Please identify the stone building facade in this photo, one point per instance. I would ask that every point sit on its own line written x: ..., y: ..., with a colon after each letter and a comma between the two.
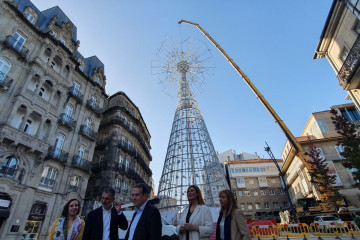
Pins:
x: 256, y: 183
x: 122, y: 154
x: 51, y: 99
x: 320, y: 129
x: 340, y: 44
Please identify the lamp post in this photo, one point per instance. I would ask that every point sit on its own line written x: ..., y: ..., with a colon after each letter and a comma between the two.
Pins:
x: 292, y: 209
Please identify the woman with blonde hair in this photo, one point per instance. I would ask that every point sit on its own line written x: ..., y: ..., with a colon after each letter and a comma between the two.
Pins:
x: 195, y: 222
x: 70, y: 226
x: 231, y: 224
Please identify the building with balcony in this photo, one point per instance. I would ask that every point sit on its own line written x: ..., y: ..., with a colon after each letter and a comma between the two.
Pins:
x: 340, y: 44
x: 48, y: 132
x: 256, y: 184
x: 320, y: 129
x: 122, y: 154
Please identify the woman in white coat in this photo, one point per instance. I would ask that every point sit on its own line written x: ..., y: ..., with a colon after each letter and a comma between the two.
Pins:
x: 195, y: 222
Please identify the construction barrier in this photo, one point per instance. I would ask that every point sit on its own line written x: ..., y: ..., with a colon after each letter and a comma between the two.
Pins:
x: 294, y: 230
x: 327, y: 229
x: 265, y: 231
x: 351, y: 228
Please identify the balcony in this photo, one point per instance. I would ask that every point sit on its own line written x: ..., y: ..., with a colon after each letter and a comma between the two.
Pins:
x: 75, y: 93
x: 351, y: 64
x: 57, y: 154
x: 90, y: 104
x: 88, y: 132
x: 79, y: 162
x: 17, y: 46
x: 18, y: 137
x: 127, y: 148
x: 5, y: 81
x: 67, y: 121
x: 73, y: 188
x: 47, y: 183
x: 8, y: 172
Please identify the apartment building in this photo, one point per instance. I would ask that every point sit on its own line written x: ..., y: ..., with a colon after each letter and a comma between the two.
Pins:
x: 51, y: 104
x: 320, y: 129
x: 122, y: 154
x: 340, y: 44
x: 256, y: 183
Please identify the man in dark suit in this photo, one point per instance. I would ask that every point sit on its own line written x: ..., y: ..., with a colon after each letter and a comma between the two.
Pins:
x: 103, y: 222
x: 146, y: 222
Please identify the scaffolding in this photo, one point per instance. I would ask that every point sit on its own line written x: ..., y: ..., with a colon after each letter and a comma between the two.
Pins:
x: 190, y: 157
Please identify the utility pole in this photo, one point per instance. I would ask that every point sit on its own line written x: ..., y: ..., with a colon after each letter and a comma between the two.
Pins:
x: 293, y: 212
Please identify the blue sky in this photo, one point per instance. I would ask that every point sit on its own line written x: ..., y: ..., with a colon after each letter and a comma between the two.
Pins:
x: 272, y: 42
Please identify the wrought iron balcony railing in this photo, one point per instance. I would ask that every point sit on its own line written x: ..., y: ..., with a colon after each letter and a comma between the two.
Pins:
x: 8, y: 172
x: 73, y: 188
x: 75, y: 93
x: 67, y: 121
x: 17, y: 46
x: 57, y: 154
x: 5, y: 81
x: 351, y: 64
x: 88, y: 132
x: 47, y: 183
x: 90, y: 104
x: 78, y: 161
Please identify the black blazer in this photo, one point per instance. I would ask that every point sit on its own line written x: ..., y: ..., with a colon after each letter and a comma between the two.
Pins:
x: 149, y: 225
x: 94, y: 224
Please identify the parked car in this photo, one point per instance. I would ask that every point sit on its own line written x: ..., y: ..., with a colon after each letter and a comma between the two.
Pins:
x: 327, y: 220
x: 167, y: 228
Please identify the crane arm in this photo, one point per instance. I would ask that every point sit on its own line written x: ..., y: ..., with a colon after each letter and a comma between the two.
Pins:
x: 290, y: 137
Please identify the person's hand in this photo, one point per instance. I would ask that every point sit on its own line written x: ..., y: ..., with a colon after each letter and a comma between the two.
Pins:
x: 117, y: 206
x: 182, y: 229
x: 191, y: 227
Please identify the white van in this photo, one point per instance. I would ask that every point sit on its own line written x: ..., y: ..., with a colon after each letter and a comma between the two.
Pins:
x: 167, y: 229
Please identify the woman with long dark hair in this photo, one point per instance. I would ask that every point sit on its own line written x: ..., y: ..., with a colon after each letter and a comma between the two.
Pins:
x: 70, y: 226
x: 231, y: 224
x: 195, y: 222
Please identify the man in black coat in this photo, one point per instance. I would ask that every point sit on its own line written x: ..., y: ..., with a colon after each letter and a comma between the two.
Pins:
x: 103, y: 222
x: 146, y: 222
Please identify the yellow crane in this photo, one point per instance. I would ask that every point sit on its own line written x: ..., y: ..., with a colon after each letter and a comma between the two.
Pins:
x: 298, y: 148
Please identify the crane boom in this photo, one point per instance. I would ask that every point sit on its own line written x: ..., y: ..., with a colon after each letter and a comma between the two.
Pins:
x: 298, y: 148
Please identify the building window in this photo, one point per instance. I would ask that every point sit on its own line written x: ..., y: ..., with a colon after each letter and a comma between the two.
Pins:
x: 300, y: 174
x: 273, y: 180
x: 125, y: 186
x: 240, y: 182
x: 351, y: 114
x: 117, y: 185
x: 80, y: 154
x: 9, y: 167
x: 27, y: 126
x: 53, y: 33
x: 262, y: 181
x: 321, y: 126
x: 62, y: 40
x: 48, y: 178
x: 344, y: 53
x: 101, y: 157
x: 250, y: 206
x: 17, y: 41
x: 282, y: 192
x: 4, y: 68
x: 126, y: 164
x: 41, y: 91
x: 74, y: 183
x: 262, y: 192
x: 258, y: 206
x: 340, y: 149
x: 266, y: 205
x: 256, y: 193
x: 58, y: 144
x: 121, y: 159
x: 271, y: 192
x: 29, y: 17
x: 242, y: 206
x: 321, y: 154
x: 276, y: 205
x: 247, y: 193
x: 286, y: 204
x: 240, y: 193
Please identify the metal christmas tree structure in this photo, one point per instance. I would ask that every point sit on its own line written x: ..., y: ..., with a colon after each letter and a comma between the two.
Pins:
x: 191, y: 157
